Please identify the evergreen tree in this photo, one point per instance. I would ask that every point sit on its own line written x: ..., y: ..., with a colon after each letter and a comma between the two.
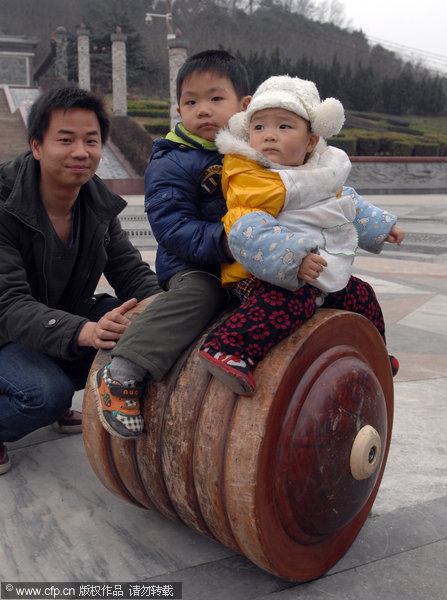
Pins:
x: 363, y: 93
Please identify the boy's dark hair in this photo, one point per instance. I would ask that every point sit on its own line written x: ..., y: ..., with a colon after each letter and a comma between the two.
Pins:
x: 65, y: 98
x: 215, y: 61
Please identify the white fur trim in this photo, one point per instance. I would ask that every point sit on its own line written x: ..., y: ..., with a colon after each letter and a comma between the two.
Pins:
x: 239, y: 125
x: 228, y: 143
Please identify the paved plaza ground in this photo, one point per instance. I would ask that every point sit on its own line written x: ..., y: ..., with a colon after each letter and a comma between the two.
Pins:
x: 58, y: 523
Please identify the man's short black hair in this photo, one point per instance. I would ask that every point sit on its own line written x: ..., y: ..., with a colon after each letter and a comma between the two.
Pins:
x: 215, y: 61
x: 65, y: 98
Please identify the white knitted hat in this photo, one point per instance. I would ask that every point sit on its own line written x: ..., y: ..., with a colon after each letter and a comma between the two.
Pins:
x: 297, y: 95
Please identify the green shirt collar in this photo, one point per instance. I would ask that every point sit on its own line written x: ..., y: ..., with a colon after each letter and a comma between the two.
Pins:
x: 181, y: 135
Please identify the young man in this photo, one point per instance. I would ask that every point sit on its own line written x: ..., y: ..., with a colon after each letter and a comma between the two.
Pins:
x: 59, y: 231
x: 185, y: 206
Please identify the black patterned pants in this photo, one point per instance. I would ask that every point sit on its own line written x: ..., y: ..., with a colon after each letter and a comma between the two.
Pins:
x: 268, y: 314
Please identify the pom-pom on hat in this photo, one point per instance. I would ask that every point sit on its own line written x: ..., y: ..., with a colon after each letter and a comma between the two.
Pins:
x: 300, y: 97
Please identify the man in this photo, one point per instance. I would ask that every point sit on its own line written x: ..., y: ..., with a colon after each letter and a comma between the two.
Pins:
x: 59, y: 231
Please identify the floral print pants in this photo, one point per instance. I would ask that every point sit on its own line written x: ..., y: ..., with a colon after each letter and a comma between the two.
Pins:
x: 268, y: 314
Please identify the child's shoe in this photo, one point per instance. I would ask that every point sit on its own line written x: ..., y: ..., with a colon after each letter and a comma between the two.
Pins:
x: 234, y: 371
x: 118, y: 405
x: 394, y: 364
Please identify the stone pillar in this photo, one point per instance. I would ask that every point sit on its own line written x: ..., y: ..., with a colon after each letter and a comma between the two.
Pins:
x: 119, y: 75
x: 177, y: 54
x: 61, y: 65
x: 84, y: 58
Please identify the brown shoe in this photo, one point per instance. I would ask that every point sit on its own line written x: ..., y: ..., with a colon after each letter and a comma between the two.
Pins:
x: 71, y: 422
x: 5, y: 462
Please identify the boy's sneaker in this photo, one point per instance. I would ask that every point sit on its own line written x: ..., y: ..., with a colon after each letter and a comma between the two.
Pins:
x: 5, y: 462
x: 234, y: 371
x: 394, y: 364
x: 71, y: 422
x: 118, y: 405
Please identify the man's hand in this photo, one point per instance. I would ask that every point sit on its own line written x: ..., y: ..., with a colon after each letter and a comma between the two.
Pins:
x: 396, y: 235
x: 311, y: 267
x: 110, y: 327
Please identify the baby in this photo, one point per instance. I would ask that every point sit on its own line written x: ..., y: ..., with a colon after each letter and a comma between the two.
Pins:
x: 292, y: 227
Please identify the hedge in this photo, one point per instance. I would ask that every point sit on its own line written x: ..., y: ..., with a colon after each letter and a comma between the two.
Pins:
x: 402, y: 148
x: 155, y: 113
x: 346, y: 144
x: 133, y: 142
x: 367, y: 146
x: 162, y: 127
x: 383, y: 144
x: 425, y: 149
x: 150, y: 104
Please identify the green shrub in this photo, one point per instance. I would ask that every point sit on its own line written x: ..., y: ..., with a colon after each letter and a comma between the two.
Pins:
x: 346, y: 144
x: 155, y: 113
x: 400, y: 129
x: 133, y: 142
x: 402, y: 148
x: 363, y: 115
x: 399, y: 122
x: 367, y: 146
x: 148, y: 104
x: 386, y: 146
x: 162, y: 127
x: 426, y: 149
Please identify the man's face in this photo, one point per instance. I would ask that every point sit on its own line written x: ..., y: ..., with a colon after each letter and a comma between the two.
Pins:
x: 207, y: 101
x: 70, y: 151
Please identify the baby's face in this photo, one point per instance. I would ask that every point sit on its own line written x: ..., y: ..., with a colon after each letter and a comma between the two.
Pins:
x: 282, y: 136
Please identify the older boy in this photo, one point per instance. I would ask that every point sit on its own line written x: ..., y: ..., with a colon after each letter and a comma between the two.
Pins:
x: 185, y: 206
x: 59, y: 231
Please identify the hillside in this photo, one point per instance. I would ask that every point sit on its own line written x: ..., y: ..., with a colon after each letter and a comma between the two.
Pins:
x: 270, y: 27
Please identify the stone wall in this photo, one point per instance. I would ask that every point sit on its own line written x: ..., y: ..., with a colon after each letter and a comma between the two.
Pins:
x: 398, y: 175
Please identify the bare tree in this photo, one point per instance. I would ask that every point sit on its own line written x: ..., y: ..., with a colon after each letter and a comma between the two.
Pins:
x: 332, y: 11
x: 307, y: 8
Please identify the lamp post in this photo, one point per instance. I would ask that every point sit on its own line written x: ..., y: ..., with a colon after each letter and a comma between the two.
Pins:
x: 177, y: 53
x: 168, y: 16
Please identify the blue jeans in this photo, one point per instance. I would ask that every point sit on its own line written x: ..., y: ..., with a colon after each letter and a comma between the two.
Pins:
x: 36, y: 389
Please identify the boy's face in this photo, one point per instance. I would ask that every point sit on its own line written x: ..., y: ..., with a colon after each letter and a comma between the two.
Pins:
x: 70, y: 150
x: 207, y: 101
x: 282, y: 136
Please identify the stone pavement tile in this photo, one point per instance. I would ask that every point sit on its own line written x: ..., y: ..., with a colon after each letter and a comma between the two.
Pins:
x: 395, y: 309
x: 430, y: 316
x: 59, y: 523
x: 416, y: 470
x: 232, y: 578
x: 400, y: 538
x: 387, y: 286
x: 418, y: 574
x: 398, y: 268
x: 414, y: 366
x: 110, y: 167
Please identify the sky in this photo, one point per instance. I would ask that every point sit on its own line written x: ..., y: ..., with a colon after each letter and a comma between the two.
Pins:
x: 421, y: 25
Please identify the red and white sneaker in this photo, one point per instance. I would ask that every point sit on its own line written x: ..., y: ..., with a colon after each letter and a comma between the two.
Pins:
x: 234, y: 371
x: 394, y: 364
